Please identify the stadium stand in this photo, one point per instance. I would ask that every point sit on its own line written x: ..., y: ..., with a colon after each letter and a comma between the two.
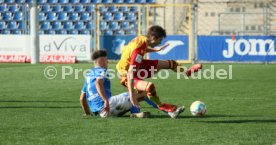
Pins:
x: 76, y: 17
x: 70, y: 16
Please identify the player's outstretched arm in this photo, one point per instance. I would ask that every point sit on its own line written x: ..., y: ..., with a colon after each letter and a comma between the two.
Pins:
x: 100, y: 89
x: 84, y: 104
x: 149, y: 49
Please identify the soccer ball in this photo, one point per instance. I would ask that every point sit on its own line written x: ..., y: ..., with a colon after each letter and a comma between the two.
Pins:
x: 198, y: 108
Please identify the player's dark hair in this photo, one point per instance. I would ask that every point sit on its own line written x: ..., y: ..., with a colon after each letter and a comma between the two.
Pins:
x: 157, y: 31
x: 98, y: 53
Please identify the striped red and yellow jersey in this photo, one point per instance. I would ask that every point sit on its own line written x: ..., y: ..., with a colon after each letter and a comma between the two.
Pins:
x: 132, y: 54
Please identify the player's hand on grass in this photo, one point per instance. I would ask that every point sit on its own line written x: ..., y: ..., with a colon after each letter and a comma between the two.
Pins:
x: 106, y: 106
x: 105, y: 111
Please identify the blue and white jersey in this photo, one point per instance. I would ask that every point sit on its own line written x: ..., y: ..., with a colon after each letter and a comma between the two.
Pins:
x: 93, y: 98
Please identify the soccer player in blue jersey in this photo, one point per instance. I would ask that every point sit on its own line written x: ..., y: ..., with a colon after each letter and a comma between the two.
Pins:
x: 96, y: 96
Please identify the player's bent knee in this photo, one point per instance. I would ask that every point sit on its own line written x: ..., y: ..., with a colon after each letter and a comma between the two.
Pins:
x: 150, y: 89
x: 152, y: 95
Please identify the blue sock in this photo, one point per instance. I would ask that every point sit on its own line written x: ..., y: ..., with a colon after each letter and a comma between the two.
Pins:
x: 151, y: 103
x: 134, y: 109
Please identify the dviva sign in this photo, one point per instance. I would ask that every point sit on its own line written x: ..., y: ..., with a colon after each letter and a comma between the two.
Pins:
x: 73, y: 45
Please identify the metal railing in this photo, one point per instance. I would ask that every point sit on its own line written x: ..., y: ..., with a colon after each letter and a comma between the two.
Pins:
x: 242, y: 17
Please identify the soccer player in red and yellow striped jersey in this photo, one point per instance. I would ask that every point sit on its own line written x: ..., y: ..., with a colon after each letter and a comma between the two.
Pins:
x: 132, y: 61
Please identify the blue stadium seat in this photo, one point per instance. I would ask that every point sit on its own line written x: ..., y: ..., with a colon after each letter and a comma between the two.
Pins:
x: 85, y: 32
x: 112, y: 9
x: 118, y: 16
x: 130, y: 32
x: 21, y: 25
x: 84, y: 1
x: 45, y: 8
x: 29, y: 1
x: 118, y: 1
x: 74, y: 32
x: 3, y: 25
x: 89, y: 8
x: 67, y: 8
x: 41, y: 1
x: 79, y: 25
x: 6, y: 32
x: 51, y: 16
x: 62, y: 32
x: 41, y: 16
x: 7, y: 16
x: 103, y: 25
x: 119, y: 32
x: 2, y: 1
x: 130, y: 16
x: 89, y: 26
x: 45, y: 26
x: 62, y: 16
x: 56, y: 25
x: 103, y: 9
x: 41, y: 32
x: 123, y: 9
x: 63, y: 1
x: 17, y: 32
x: 140, y: 1
x: 125, y: 26
x: 108, y: 32
x: 107, y: 1
x: 133, y: 9
x: 13, y: 8
x: 78, y: 8
x: 3, y: 8
x: 96, y: 1
x: 20, y: 1
x: 12, y: 25
x: 151, y: 1
x: 85, y: 16
x: 129, y: 1
x: 114, y: 26
x: 57, y: 8
x: 18, y: 16
x: 9, y: 1
x: 74, y: 1
x: 68, y: 25
x: 136, y: 24
x: 73, y: 16
x: 107, y: 16
x: 52, y: 1
x: 50, y: 32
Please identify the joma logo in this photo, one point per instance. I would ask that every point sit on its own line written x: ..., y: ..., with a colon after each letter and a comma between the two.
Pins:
x: 252, y: 47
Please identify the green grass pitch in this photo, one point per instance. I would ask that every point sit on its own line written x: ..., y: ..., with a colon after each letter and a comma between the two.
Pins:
x: 241, y: 111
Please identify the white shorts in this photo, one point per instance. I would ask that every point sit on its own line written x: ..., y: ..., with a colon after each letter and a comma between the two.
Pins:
x: 119, y: 104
